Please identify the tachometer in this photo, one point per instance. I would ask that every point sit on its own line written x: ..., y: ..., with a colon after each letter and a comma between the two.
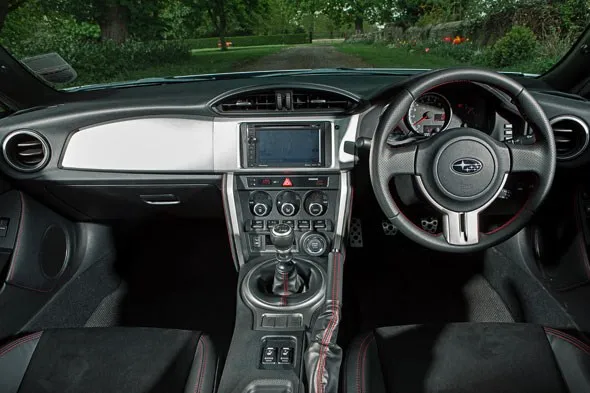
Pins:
x: 429, y: 114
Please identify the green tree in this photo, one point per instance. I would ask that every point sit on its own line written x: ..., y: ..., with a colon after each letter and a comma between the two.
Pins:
x: 115, y: 17
x: 356, y: 12
x: 223, y: 13
x: 7, y: 6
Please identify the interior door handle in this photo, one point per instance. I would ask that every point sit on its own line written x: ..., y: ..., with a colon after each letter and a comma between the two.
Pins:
x: 160, y: 199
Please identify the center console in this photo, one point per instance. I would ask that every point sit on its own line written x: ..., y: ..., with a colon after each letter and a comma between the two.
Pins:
x: 287, y: 209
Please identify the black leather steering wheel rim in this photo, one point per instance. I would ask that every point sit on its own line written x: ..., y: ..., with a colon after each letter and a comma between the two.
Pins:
x: 386, y: 161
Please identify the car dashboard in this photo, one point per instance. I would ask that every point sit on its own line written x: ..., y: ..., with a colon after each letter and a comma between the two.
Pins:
x: 117, y: 153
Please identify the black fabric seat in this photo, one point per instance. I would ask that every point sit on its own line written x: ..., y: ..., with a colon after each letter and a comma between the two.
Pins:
x: 467, y: 357
x: 126, y: 360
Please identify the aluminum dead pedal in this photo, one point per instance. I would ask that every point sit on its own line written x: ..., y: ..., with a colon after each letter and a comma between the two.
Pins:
x: 356, y: 233
x: 388, y: 228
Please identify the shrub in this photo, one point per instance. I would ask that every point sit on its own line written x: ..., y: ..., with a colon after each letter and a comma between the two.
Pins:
x: 518, y: 45
x: 255, y: 40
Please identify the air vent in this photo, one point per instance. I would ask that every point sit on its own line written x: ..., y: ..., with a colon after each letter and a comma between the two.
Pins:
x: 311, y: 100
x: 263, y: 101
x: 25, y: 151
x: 571, y: 136
x: 285, y: 100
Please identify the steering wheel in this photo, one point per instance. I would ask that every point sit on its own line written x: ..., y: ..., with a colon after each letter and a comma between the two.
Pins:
x: 461, y: 171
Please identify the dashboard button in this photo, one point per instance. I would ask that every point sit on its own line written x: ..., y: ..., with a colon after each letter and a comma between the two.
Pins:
x: 289, y: 222
x: 257, y: 224
x: 319, y: 224
x: 304, y: 225
x: 269, y: 355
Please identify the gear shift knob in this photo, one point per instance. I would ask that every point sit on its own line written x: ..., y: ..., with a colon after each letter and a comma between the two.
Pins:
x: 282, y: 237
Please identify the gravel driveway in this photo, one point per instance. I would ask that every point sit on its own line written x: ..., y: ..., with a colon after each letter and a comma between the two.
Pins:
x: 302, y: 57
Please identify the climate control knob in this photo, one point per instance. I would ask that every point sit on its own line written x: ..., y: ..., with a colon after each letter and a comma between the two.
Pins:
x: 316, y: 203
x: 260, y: 203
x: 288, y: 203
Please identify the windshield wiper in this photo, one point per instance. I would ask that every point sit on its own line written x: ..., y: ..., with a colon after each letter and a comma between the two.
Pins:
x: 346, y: 70
x: 140, y: 82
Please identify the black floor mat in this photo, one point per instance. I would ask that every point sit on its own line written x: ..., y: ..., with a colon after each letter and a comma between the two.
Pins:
x: 179, y: 274
x: 393, y: 281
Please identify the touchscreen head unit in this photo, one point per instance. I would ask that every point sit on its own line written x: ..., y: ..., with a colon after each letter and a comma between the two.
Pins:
x: 286, y: 145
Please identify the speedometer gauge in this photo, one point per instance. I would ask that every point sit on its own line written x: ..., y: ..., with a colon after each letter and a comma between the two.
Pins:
x: 429, y: 114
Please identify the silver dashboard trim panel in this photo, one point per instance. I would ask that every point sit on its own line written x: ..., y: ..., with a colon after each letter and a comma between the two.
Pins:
x: 147, y: 144
x: 343, y: 211
x: 230, y: 204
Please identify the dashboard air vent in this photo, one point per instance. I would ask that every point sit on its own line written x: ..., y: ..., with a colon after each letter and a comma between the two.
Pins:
x: 285, y: 100
x: 311, y: 100
x: 571, y: 136
x: 262, y: 101
x: 25, y: 151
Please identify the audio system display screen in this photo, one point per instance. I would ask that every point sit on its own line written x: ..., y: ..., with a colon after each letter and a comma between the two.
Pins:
x: 283, y: 147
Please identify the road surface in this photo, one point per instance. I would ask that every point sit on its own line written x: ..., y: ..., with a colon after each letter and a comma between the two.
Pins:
x: 303, y: 57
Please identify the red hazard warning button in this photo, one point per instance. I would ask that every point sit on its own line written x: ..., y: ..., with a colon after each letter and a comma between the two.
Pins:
x: 287, y: 182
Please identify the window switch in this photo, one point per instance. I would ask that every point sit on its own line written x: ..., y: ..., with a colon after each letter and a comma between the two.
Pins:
x: 269, y: 355
x: 286, y: 355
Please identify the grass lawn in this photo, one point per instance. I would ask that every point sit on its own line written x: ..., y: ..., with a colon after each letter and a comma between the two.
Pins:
x: 203, y: 61
x: 382, y: 56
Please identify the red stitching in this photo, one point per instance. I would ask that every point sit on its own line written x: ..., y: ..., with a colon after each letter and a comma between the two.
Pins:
x: 359, y: 368
x: 570, y: 339
x: 518, y: 213
x: 9, y: 347
x: 327, y: 337
x: 364, y: 361
x: 285, y: 289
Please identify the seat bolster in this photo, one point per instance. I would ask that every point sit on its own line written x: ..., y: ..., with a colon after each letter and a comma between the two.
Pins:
x: 363, y: 367
x: 203, y: 374
x: 14, y: 360
x: 573, y: 359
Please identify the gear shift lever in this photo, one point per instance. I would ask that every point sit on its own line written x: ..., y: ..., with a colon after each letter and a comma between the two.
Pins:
x: 286, y: 280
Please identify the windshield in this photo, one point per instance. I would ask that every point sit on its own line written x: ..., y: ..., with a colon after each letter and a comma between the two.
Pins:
x: 128, y: 40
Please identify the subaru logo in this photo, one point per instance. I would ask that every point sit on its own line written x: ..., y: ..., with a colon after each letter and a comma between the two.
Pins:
x: 467, y: 166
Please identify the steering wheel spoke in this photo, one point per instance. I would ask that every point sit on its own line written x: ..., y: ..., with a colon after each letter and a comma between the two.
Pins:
x: 528, y: 158
x: 461, y: 228
x: 398, y: 161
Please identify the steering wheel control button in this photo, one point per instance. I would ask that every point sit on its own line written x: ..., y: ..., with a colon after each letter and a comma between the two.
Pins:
x: 464, y: 169
x: 314, y: 244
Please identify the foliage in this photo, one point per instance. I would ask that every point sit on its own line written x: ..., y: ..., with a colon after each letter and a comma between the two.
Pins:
x: 516, y: 46
x: 287, y: 39
x: 203, y: 61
